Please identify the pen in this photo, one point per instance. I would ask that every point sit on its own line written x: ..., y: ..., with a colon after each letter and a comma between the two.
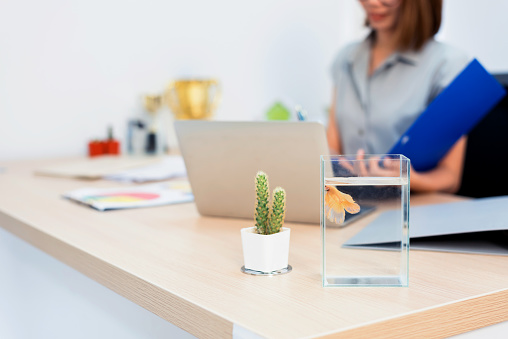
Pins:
x: 301, y: 114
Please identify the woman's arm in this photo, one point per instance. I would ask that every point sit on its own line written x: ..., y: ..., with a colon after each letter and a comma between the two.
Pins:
x: 332, y: 132
x: 447, y: 176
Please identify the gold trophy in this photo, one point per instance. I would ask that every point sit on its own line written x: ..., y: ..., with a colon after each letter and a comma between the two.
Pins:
x: 152, y: 103
x: 193, y: 99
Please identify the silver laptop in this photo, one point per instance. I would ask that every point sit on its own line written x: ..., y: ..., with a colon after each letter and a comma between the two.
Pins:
x: 222, y: 159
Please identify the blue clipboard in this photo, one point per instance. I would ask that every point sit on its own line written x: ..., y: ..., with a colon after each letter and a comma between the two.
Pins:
x: 452, y: 114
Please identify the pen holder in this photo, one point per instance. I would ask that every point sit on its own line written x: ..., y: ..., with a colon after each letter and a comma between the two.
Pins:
x: 365, y: 220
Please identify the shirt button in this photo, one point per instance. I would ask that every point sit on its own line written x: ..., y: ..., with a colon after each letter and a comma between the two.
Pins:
x: 360, y: 131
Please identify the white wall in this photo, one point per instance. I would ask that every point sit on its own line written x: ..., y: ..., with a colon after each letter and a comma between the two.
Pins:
x: 479, y: 28
x: 70, y: 68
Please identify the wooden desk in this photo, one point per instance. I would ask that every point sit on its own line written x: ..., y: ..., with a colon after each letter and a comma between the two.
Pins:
x: 186, y: 269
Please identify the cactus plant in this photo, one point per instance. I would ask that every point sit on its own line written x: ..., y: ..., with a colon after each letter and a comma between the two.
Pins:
x: 266, y: 222
x: 278, y: 210
x: 262, y: 209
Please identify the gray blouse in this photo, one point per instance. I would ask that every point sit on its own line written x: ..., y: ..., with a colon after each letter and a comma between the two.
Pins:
x: 372, y: 112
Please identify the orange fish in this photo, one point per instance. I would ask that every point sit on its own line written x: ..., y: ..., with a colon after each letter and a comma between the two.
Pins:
x: 336, y: 202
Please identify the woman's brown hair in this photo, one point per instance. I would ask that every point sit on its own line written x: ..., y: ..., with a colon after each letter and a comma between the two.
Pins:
x: 419, y: 20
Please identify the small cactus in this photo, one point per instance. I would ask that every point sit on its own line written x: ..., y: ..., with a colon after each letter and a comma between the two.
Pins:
x: 278, y: 210
x: 262, y: 208
x: 266, y: 222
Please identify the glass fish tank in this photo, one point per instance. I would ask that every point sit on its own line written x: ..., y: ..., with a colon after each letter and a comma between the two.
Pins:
x: 365, y: 220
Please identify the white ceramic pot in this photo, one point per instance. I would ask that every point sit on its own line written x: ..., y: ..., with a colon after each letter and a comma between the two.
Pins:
x: 265, y: 253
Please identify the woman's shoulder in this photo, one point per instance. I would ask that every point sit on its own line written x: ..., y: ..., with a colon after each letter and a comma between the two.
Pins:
x: 344, y: 56
x: 442, y: 53
x: 348, y: 51
x: 444, y: 61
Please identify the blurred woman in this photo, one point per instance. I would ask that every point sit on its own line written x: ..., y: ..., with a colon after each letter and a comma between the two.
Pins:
x: 383, y: 83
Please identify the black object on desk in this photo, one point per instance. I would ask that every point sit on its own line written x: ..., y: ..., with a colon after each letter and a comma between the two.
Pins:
x: 486, y: 163
x: 151, y: 143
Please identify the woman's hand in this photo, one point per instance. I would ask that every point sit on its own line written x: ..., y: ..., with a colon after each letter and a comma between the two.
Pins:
x: 372, y: 167
x: 445, y: 177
